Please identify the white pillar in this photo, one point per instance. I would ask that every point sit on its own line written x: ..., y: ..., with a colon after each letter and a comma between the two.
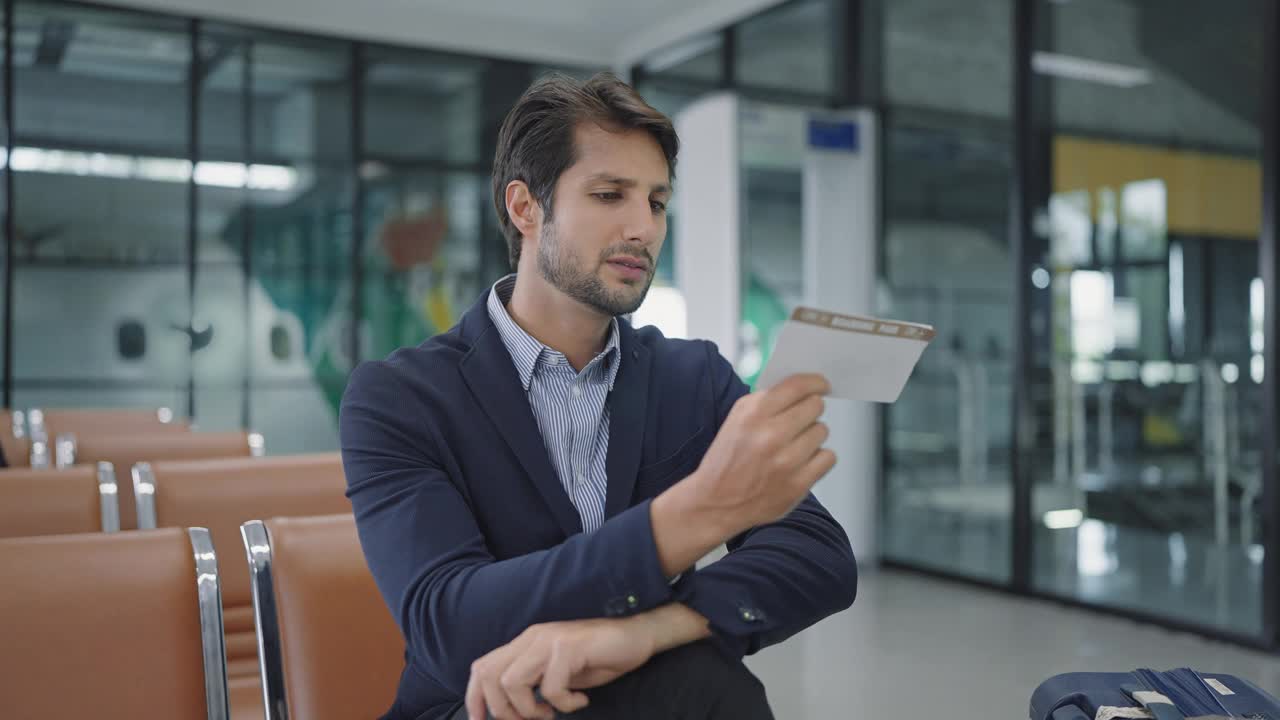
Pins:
x: 707, y: 219
x: 840, y: 208
x: 836, y: 153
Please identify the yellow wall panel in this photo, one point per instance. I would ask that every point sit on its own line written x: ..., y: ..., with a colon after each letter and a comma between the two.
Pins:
x: 1208, y: 194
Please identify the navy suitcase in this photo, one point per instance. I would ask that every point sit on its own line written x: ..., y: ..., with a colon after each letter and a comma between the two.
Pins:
x: 1077, y: 696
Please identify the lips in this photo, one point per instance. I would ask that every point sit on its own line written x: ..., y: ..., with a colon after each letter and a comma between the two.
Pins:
x: 630, y: 262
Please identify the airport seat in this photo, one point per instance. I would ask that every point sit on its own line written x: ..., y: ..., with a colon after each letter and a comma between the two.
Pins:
x: 112, y: 627
x: 13, y: 433
x: 222, y: 494
x: 17, y: 450
x: 77, y: 421
x: 81, y: 499
x: 330, y: 647
x: 126, y: 450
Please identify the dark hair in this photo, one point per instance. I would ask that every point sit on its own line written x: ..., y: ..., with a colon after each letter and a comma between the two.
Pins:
x: 536, y: 142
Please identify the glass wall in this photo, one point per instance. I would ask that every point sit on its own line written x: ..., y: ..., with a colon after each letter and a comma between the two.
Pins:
x: 947, y: 496
x: 200, y: 209
x: 423, y: 195
x: 101, y: 310
x: 222, y: 295
x: 1146, y: 316
x: 788, y: 48
x: 783, y: 57
x: 224, y: 220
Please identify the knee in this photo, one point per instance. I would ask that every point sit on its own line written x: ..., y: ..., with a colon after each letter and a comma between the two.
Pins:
x: 703, y: 665
x: 699, y: 657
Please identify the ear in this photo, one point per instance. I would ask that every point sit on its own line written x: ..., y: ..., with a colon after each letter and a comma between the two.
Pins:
x: 523, y: 208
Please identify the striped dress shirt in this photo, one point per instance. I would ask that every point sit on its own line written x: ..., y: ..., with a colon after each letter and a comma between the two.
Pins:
x: 570, y: 407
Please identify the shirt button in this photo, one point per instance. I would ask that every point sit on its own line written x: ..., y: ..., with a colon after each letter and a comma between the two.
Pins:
x: 577, y: 390
x: 581, y: 478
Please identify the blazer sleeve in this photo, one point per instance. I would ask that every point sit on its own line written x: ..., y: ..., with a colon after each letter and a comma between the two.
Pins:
x: 777, y: 579
x: 452, y: 600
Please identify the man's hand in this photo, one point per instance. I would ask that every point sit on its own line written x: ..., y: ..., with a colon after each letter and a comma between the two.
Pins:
x: 764, y: 460
x: 561, y: 659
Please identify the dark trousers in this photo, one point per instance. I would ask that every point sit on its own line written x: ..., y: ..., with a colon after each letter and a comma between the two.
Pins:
x: 694, y: 682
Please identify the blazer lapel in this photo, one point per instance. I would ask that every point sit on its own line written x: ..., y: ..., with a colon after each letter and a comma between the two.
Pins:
x: 490, y: 374
x: 628, y: 405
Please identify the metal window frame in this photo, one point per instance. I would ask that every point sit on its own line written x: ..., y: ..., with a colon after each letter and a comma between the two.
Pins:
x: 10, y: 228
x: 195, y: 79
x: 1269, y: 264
x: 356, y: 67
x: 1020, y: 214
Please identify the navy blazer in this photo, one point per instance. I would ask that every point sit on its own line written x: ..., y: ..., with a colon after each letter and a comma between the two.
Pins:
x: 472, y: 539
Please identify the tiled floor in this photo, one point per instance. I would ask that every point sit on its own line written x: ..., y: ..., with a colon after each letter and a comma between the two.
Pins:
x: 918, y: 648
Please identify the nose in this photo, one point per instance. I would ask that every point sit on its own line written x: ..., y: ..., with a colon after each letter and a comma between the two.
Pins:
x: 643, y: 226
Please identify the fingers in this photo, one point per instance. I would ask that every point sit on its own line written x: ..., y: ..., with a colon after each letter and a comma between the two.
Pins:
x: 475, y: 698
x: 555, y: 683
x: 791, y: 391
x: 496, y: 700
x: 800, y: 418
x: 485, y: 697
x: 800, y: 450
x: 518, y: 682
x: 493, y: 691
x: 816, y: 468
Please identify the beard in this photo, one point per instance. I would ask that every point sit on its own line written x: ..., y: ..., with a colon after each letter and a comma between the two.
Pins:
x: 566, y: 272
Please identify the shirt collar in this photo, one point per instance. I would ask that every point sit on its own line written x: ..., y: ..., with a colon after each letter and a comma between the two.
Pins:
x: 527, y: 353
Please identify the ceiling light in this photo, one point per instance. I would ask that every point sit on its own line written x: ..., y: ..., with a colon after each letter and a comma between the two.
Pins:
x: 1070, y: 67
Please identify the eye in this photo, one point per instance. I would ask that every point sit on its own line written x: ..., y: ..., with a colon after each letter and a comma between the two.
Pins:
x: 610, y: 196
x: 658, y: 206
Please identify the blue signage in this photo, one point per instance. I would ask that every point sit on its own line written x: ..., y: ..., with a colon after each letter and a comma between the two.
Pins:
x: 833, y: 135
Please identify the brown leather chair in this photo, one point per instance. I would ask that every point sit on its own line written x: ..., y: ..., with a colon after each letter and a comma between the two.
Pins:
x: 117, y: 626
x: 17, y: 450
x: 59, y: 421
x: 14, y: 443
x: 330, y: 647
x: 125, y: 451
x: 81, y: 499
x: 222, y: 494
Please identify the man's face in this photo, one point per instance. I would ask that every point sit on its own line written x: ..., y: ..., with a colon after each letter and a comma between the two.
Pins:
x: 609, y: 220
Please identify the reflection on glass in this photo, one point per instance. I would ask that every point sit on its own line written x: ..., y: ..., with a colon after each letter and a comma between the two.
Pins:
x: 100, y: 207
x: 772, y: 259
x: 422, y: 261
x: 421, y: 106
x: 99, y: 78
x: 299, y: 228
x: 699, y: 59
x: 301, y: 101
x: 668, y: 99
x: 947, y: 56
x: 218, y: 360
x: 1145, y: 407
x: 948, y: 500
x: 788, y: 48
x: 4, y: 194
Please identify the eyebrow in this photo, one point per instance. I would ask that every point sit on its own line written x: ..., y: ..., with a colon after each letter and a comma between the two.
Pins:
x: 610, y: 179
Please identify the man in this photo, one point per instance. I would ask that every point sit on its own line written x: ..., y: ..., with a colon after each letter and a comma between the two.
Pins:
x: 534, y: 487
